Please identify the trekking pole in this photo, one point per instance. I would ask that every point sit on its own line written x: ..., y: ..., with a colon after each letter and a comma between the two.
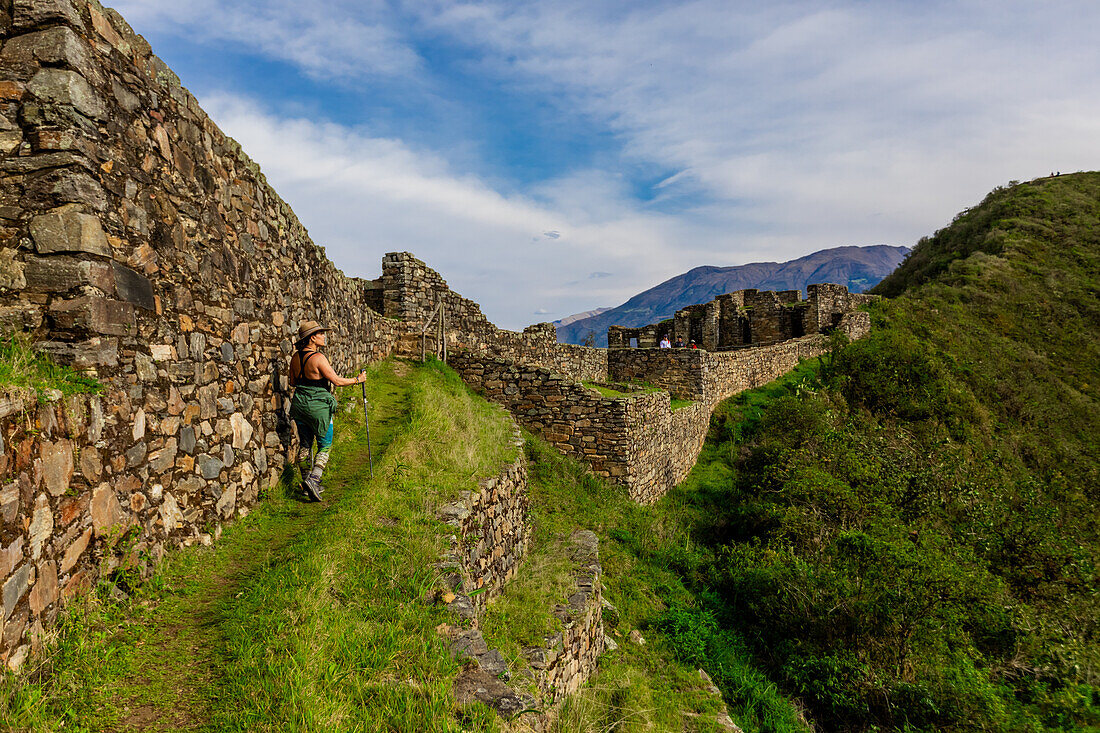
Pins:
x: 366, y: 421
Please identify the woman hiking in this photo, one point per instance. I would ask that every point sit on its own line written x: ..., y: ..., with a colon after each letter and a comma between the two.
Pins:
x: 313, y: 405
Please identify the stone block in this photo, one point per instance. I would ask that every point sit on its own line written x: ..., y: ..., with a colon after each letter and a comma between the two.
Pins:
x: 41, y: 526
x: 105, y: 509
x: 72, y: 507
x: 61, y: 274
x: 227, y: 503
x: 136, y: 455
x: 170, y: 515
x: 9, y: 502
x: 161, y: 460
x: 145, y: 368
x: 57, y: 466
x: 15, y: 588
x: 69, y: 230
x: 94, y: 314
x: 58, y: 186
x: 54, y: 46
x: 242, y: 430
x: 208, y: 466
x: 133, y: 287
x: 90, y: 353
x: 187, y: 439
x: 107, y: 31
x: 75, y: 550
x: 11, y: 271
x: 28, y: 14
x: 11, y: 556
x: 60, y: 86
x: 45, y: 588
x: 20, y: 318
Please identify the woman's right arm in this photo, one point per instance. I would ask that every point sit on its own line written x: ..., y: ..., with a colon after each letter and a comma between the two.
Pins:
x: 290, y: 372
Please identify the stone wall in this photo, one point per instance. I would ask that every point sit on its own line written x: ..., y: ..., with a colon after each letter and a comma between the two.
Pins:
x: 486, y: 550
x: 490, y: 537
x: 138, y: 242
x: 749, y: 317
x: 680, y: 371
x: 638, y: 441
x: 664, y: 443
x: 569, y: 657
x: 576, y: 420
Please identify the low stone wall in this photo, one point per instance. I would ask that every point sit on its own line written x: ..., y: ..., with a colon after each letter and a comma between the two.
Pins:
x: 664, y: 443
x: 680, y: 371
x: 490, y: 537
x: 638, y: 441
x: 578, y: 421
x: 569, y: 657
x: 490, y: 540
x: 694, y: 374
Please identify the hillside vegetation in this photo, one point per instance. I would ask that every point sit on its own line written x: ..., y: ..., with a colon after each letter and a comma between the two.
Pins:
x: 313, y: 617
x: 905, y: 534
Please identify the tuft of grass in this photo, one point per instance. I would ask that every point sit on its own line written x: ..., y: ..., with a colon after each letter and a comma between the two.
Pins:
x: 629, y: 390
x: 22, y: 369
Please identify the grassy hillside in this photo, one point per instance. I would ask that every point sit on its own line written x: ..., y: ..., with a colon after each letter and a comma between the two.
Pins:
x: 906, y: 535
x: 312, y: 617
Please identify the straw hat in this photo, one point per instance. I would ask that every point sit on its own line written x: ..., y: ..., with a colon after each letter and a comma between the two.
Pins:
x: 307, y: 329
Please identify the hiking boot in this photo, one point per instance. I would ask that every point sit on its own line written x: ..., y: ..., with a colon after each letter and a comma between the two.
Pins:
x: 312, y: 489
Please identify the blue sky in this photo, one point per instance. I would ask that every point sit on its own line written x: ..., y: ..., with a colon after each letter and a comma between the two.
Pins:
x: 554, y: 157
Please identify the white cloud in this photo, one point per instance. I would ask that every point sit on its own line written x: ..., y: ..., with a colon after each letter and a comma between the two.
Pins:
x: 859, y: 121
x: 362, y: 196
x: 326, y: 39
x: 779, y: 128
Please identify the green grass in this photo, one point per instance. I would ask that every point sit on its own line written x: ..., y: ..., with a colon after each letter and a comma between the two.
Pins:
x: 904, y: 535
x: 304, y: 616
x: 644, y: 552
x: 313, y: 617
x: 635, y: 388
x: 25, y: 371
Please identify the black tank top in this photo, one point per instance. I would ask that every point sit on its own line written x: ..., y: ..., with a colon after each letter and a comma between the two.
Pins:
x: 303, y: 357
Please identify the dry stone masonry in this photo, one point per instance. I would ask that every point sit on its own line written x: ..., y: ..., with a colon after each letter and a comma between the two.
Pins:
x: 139, y: 244
x: 489, y: 542
x: 490, y: 536
x: 747, y: 317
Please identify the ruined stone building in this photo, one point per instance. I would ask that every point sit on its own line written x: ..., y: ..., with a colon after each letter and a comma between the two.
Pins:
x: 747, y: 318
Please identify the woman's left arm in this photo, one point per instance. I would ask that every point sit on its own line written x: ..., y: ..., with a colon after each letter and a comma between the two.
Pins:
x: 330, y: 375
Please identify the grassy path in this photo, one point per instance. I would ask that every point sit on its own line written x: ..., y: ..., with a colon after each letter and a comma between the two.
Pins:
x: 174, y: 685
x: 158, y: 661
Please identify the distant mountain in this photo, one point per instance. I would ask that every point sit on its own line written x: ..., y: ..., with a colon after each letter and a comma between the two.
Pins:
x: 578, y: 316
x: 860, y: 268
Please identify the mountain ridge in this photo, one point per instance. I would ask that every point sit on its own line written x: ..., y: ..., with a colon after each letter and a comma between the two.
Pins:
x: 860, y: 268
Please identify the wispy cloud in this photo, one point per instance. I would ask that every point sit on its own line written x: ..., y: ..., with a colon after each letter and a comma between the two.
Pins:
x: 362, y: 196
x: 325, y: 38
x: 728, y: 132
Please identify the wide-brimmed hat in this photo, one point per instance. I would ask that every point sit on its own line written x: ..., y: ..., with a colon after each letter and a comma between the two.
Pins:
x: 307, y: 329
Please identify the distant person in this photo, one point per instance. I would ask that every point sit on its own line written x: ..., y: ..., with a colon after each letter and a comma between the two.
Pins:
x: 665, y: 344
x: 694, y: 345
x: 679, y: 342
x: 313, y: 404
